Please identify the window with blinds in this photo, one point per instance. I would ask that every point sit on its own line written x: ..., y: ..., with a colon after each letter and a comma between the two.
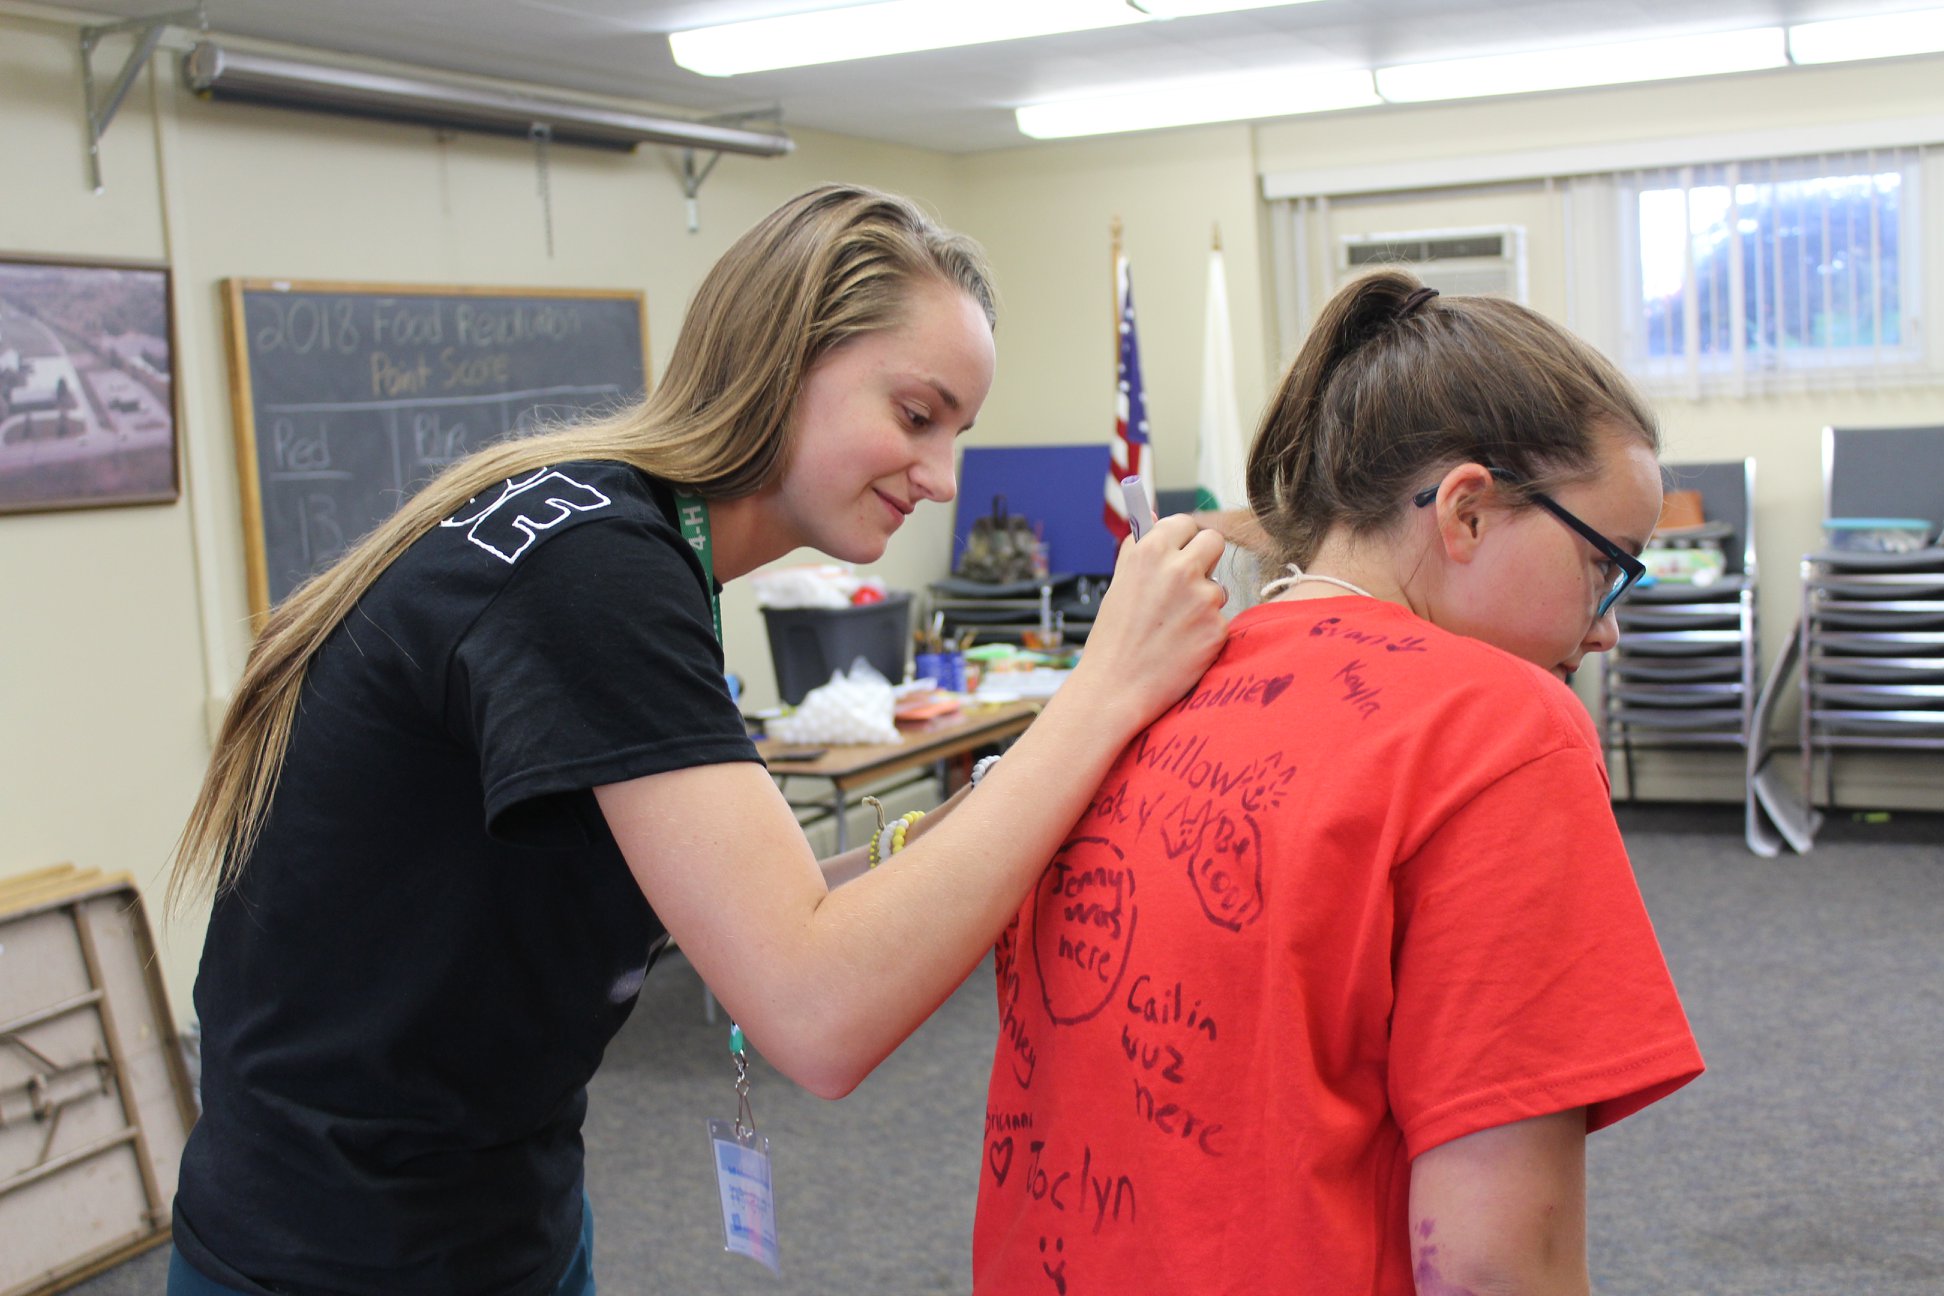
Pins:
x: 1752, y: 275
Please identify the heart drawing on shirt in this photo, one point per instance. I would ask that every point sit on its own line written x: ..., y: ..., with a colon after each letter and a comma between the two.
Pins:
x: 999, y: 1156
x: 1273, y: 688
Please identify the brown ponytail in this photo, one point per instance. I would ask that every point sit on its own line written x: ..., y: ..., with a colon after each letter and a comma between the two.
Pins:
x: 1395, y: 385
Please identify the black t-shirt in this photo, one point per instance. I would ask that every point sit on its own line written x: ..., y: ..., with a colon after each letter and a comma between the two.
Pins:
x: 436, y: 935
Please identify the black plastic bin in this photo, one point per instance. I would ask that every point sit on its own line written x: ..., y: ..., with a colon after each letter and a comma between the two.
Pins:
x: 809, y: 645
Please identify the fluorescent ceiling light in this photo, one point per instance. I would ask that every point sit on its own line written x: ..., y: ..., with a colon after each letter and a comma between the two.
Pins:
x: 894, y: 27
x: 1886, y: 36
x: 1192, y: 8
x: 906, y: 26
x: 1280, y: 94
x: 1588, y: 65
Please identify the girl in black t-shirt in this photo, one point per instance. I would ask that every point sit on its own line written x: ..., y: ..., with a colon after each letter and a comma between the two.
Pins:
x: 477, y: 768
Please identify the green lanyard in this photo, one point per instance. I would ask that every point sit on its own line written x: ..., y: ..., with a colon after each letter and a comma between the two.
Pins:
x: 693, y: 517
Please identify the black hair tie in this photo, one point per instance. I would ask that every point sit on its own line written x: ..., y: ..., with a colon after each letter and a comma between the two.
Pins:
x: 1414, y: 301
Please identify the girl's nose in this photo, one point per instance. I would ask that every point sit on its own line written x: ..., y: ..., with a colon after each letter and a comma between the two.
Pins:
x: 1604, y: 633
x: 933, y: 477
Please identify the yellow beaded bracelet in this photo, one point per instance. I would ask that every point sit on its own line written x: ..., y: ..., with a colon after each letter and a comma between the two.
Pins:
x: 904, y: 824
x: 881, y: 848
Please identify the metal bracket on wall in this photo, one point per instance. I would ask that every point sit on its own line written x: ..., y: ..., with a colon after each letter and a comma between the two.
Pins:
x: 693, y: 175
x: 149, y: 35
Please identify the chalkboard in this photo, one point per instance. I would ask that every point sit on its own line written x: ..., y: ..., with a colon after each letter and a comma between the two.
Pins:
x: 349, y: 397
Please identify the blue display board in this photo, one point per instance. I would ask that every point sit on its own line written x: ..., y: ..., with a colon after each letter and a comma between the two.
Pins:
x: 1062, y: 488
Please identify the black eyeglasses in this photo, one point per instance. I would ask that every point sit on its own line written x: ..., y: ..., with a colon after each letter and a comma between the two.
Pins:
x: 1627, y: 569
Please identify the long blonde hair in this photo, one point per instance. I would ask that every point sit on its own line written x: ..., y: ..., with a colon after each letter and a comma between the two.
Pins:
x: 830, y: 264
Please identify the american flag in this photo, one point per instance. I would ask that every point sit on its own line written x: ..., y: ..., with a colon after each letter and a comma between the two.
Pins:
x: 1130, y: 407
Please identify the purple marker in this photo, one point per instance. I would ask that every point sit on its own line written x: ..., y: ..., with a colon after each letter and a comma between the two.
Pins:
x: 1140, y: 514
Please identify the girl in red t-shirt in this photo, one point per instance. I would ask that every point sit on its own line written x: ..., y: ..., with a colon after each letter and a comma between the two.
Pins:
x: 1326, y: 988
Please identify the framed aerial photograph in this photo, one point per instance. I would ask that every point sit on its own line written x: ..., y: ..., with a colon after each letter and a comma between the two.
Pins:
x: 87, y: 385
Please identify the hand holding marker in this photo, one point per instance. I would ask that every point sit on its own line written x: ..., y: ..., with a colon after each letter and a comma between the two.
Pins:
x: 1140, y: 513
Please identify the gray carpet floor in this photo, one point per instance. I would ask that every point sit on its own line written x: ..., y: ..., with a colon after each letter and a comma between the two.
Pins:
x: 1809, y: 1161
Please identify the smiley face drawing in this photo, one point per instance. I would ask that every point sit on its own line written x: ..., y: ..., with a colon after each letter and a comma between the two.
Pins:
x: 1055, y: 1272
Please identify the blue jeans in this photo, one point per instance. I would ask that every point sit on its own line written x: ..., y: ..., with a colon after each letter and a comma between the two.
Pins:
x: 186, y: 1280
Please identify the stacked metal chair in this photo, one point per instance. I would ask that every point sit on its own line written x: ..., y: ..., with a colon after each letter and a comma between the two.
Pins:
x: 1872, y: 627
x: 1684, y: 673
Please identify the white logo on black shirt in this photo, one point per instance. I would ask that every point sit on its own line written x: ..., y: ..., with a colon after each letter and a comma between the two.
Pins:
x: 507, y: 524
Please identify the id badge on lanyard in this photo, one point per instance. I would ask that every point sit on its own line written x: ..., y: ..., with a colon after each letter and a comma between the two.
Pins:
x: 742, y: 1165
x: 741, y: 1155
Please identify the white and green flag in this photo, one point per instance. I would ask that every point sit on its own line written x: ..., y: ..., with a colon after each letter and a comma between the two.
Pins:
x: 1219, y: 465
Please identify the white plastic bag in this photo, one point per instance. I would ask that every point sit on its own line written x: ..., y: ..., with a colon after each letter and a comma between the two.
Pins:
x: 827, y: 585
x: 855, y: 707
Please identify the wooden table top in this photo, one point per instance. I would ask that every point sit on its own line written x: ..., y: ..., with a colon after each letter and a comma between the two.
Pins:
x: 931, y: 741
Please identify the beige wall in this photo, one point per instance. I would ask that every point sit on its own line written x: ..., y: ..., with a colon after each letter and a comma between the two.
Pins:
x: 121, y: 629
x: 1045, y: 214
x: 101, y: 677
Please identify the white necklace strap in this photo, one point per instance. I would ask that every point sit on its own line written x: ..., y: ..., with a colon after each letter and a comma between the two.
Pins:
x: 1297, y: 576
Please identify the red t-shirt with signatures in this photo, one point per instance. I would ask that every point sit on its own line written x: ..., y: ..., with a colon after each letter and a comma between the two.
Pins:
x: 1357, y: 895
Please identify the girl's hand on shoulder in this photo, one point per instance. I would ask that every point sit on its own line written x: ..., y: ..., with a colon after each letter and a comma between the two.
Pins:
x: 1160, y: 624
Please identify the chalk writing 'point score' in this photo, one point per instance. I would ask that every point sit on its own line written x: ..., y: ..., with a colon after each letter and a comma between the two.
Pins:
x: 453, y: 371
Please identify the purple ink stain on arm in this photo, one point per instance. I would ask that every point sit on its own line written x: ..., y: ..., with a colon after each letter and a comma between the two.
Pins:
x: 1432, y: 1283
x: 1429, y: 1281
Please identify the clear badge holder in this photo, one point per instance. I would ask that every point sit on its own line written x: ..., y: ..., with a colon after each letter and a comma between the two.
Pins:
x: 742, y: 1165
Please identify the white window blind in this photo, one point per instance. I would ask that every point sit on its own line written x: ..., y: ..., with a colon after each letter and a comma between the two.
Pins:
x: 1746, y: 277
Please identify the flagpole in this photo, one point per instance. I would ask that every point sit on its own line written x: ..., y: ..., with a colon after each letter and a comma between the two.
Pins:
x: 1123, y: 457
x: 1117, y: 255
x: 1221, y: 459
x: 1113, y: 284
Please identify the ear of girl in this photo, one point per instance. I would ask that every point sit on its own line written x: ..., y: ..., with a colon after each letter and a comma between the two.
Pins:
x: 1462, y: 499
x: 1516, y: 576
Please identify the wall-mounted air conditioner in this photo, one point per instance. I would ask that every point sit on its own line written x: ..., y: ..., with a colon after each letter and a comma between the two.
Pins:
x: 1489, y: 259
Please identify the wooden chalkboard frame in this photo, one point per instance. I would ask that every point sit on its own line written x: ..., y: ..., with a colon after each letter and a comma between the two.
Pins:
x: 242, y: 387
